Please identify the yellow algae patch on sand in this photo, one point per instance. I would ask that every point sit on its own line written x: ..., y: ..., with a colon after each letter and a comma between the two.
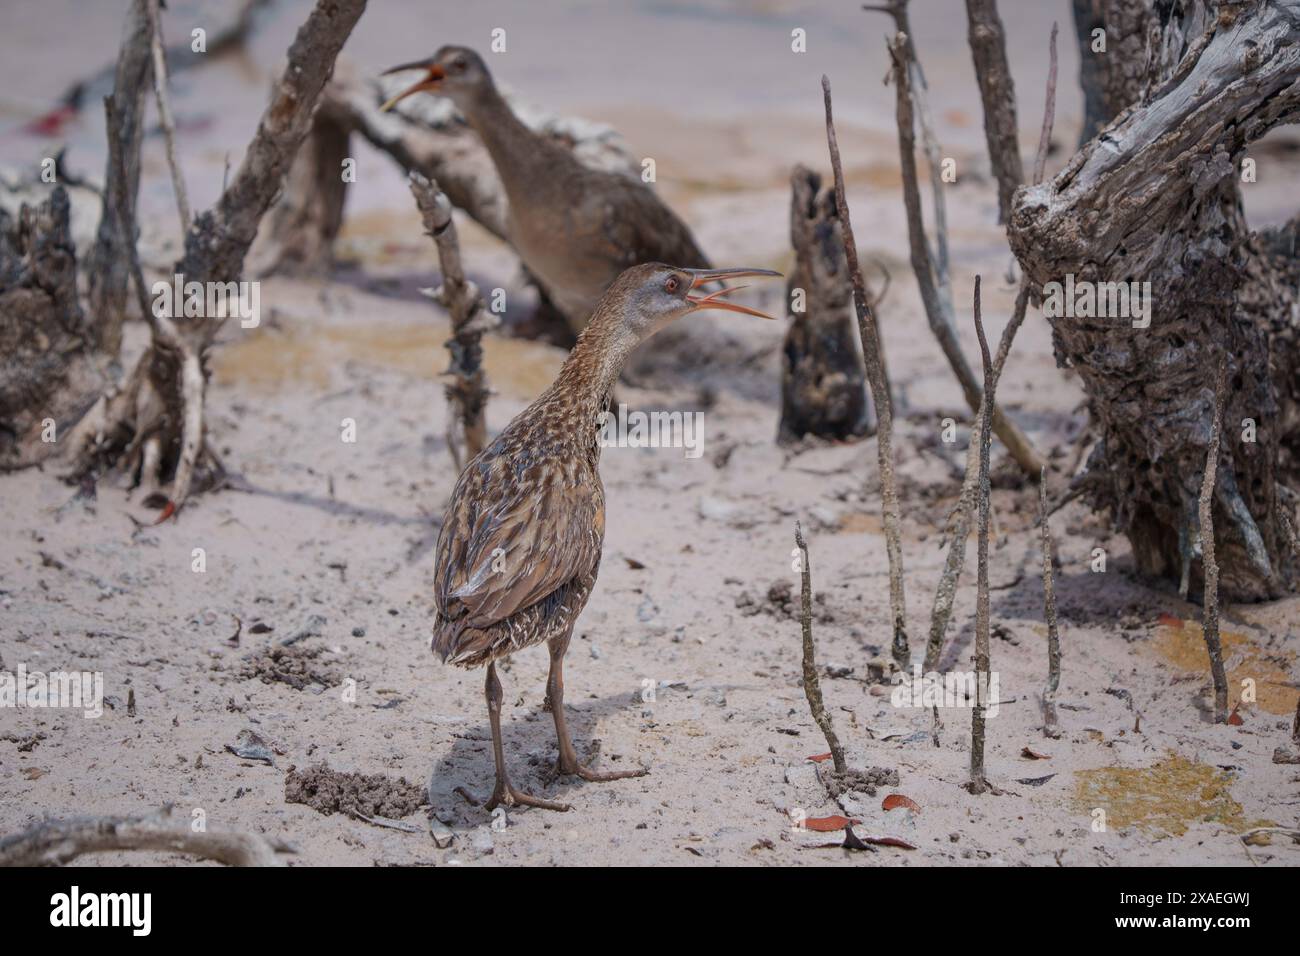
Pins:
x: 1182, y: 644
x: 298, y: 352
x: 1165, y: 798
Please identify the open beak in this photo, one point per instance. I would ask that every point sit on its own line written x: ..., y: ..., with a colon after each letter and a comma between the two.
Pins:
x: 433, y: 76
x: 716, y: 300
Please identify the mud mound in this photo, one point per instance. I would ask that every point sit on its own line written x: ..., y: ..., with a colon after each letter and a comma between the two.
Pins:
x: 356, y: 794
x: 295, y: 666
x: 861, y: 781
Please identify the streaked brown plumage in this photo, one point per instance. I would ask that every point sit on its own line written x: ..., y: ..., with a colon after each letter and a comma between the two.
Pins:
x: 575, y: 228
x: 521, y: 540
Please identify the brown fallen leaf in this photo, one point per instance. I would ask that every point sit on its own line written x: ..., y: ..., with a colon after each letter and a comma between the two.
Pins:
x: 1034, y: 755
x: 169, y: 509
x: 828, y: 824
x: 634, y: 564
x: 34, y: 773
x: 1235, y: 718
x: 1168, y: 620
x: 896, y: 800
x: 818, y: 758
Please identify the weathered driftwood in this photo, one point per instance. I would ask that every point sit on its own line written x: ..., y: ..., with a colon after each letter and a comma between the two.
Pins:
x: 157, y: 418
x: 993, y: 73
x: 823, y: 390
x: 467, y: 392
x: 51, y: 366
x: 873, y: 360
x: 56, y: 842
x: 1154, y: 198
x: 931, y: 278
x: 106, y: 264
x: 1144, y: 42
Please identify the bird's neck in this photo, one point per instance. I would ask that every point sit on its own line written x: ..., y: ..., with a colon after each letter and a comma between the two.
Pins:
x: 593, y: 367
x: 515, y: 149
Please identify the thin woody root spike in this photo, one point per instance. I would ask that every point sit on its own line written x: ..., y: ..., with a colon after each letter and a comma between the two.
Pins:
x: 946, y: 592
x: 1210, y: 626
x: 812, y: 687
x: 877, y: 377
x: 978, y: 781
x: 1051, y: 724
x: 930, y: 264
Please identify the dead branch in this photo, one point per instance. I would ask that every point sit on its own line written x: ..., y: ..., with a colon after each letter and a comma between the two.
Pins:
x: 467, y: 393
x: 978, y: 782
x: 165, y: 112
x: 164, y: 395
x: 1049, y: 112
x: 997, y: 92
x: 931, y: 279
x: 874, y: 362
x: 1051, y: 724
x: 946, y: 592
x: 57, y: 842
x: 812, y: 687
x: 930, y: 145
x: 823, y: 389
x: 1210, y: 606
x: 106, y: 267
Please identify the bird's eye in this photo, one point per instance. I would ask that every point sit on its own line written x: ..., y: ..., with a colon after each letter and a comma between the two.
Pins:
x: 672, y: 285
x: 458, y: 66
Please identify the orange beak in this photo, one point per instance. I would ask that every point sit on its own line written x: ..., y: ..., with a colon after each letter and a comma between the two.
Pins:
x: 715, y: 300
x: 433, y: 76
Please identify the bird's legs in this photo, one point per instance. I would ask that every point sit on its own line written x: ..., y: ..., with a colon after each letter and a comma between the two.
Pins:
x: 503, y: 793
x: 568, y: 759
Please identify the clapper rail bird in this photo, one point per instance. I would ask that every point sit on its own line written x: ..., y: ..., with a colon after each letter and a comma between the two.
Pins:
x: 521, y: 540
x: 575, y: 228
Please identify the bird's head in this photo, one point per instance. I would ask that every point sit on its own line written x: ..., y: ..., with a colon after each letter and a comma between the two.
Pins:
x: 653, y: 295
x: 456, y: 72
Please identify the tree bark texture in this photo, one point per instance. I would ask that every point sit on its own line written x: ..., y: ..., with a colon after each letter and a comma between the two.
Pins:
x: 1154, y: 198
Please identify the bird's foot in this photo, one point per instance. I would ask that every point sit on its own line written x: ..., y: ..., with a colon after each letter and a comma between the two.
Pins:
x: 507, y: 796
x: 597, y: 776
